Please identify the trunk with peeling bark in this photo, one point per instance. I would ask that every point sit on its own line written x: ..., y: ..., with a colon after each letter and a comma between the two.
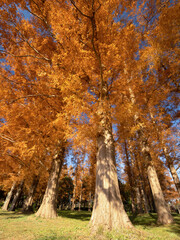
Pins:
x: 27, y: 206
x: 108, y: 209
x: 8, y: 198
x: 164, y: 215
x: 16, y: 196
x: 48, y: 208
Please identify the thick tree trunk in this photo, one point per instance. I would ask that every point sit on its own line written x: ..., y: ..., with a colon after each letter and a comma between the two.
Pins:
x: 169, y: 160
x: 8, y: 198
x: 108, y: 209
x: 29, y: 200
x: 16, y: 196
x: 48, y: 208
x: 164, y: 215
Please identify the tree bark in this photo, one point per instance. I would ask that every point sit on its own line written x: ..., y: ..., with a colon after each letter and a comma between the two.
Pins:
x: 169, y: 160
x: 130, y: 177
x: 164, y: 215
x: 108, y: 209
x: 80, y: 199
x: 89, y: 202
x: 16, y: 196
x: 48, y: 208
x: 151, y: 200
x: 29, y: 200
x: 73, y: 198
x: 139, y: 202
x: 146, y: 205
x: 175, y: 177
x: 172, y: 169
x: 8, y: 198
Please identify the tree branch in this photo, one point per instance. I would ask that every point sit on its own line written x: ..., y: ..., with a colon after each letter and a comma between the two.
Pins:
x: 73, y: 3
x: 7, y: 138
x: 22, y: 56
x: 34, y: 95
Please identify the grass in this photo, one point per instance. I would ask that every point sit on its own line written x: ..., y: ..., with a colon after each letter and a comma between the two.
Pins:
x: 74, y: 225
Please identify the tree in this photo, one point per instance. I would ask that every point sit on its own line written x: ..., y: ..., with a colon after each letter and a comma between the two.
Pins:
x: 48, y: 208
x: 101, y: 65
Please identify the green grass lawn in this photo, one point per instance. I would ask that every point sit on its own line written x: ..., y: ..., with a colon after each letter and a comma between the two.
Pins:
x: 74, y: 225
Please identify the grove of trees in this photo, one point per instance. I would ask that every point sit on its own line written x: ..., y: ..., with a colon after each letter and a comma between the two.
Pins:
x: 89, y: 107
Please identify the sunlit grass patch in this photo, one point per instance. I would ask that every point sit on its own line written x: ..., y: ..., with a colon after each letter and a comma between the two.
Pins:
x: 75, y: 225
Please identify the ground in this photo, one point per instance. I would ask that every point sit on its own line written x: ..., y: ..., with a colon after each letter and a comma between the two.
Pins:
x: 75, y: 225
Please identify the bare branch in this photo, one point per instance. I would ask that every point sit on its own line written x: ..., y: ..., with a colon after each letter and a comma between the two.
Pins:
x: 7, y: 138
x: 22, y: 56
x: 73, y: 3
x: 34, y: 95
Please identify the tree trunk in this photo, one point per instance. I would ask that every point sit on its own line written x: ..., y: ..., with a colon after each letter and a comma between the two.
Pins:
x: 89, y: 202
x: 29, y: 200
x: 169, y: 160
x: 146, y: 205
x: 108, y: 209
x: 175, y: 177
x: 130, y: 177
x: 133, y: 205
x: 73, y: 198
x: 172, y: 169
x: 164, y: 216
x: 80, y: 198
x: 151, y: 200
x: 139, y: 202
x: 48, y: 208
x: 8, y: 198
x: 16, y: 196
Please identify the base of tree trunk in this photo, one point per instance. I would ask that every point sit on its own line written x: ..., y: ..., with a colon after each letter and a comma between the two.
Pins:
x: 48, y: 208
x: 8, y: 198
x: 165, y: 219
x: 47, y: 212
x: 28, y: 210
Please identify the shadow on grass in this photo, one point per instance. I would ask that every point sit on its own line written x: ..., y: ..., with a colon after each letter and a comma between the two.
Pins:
x: 144, y: 219
x: 82, y: 215
x: 175, y: 227
x: 52, y: 237
x: 13, y: 215
x: 149, y: 220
